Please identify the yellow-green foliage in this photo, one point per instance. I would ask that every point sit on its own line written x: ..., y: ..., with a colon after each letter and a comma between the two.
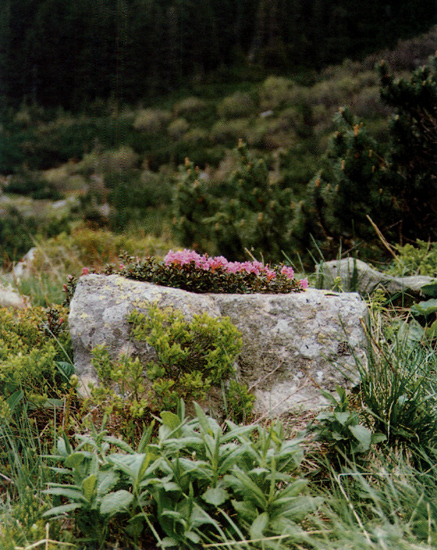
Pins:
x: 151, y: 121
x: 29, y: 353
x: 191, y: 358
x: 86, y: 247
x: 418, y: 259
x: 189, y: 106
x: 178, y: 128
x: 237, y: 105
x: 277, y: 91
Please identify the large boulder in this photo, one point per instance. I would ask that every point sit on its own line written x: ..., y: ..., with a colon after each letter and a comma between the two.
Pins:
x: 356, y: 275
x: 293, y: 344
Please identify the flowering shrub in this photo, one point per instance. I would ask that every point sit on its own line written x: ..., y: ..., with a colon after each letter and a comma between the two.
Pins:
x: 191, y: 271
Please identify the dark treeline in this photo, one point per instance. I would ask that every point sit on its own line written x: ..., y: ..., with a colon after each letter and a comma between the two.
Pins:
x: 69, y: 53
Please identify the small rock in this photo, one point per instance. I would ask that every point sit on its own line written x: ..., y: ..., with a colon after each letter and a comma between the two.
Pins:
x: 10, y: 298
x: 360, y: 277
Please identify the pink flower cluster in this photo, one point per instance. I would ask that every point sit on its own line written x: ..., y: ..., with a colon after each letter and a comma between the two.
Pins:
x: 209, y: 263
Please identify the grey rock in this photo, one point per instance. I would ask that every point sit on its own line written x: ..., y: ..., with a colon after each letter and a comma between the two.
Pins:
x: 98, y: 314
x: 358, y: 276
x: 23, y: 268
x: 293, y: 344
x: 10, y: 298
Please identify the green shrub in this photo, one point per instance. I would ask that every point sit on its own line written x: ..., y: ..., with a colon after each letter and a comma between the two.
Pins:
x: 152, y: 121
x: 193, y: 360
x: 15, y: 234
x: 237, y: 105
x: 178, y: 128
x: 277, y: 92
x: 415, y: 259
x: 68, y: 253
x: 32, y: 184
x: 189, y: 106
x: 196, y: 136
x: 35, y: 353
x: 227, y: 132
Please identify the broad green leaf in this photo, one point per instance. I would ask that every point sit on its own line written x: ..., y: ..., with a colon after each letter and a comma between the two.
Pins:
x: 378, y: 438
x: 170, y: 419
x: 74, y: 460
x: 250, y: 490
x: 258, y: 527
x: 133, y: 465
x: 64, y: 509
x: 215, y: 496
x: 430, y: 289
x: 302, y: 506
x: 246, y: 510
x: 53, y: 403
x: 89, y: 485
x: 114, y: 503
x: 119, y: 443
x: 66, y: 369
x: 364, y: 437
x: 342, y: 417
x: 63, y: 446
x: 208, y: 425
x: 14, y: 399
x: 106, y: 480
x: 72, y: 494
x: 424, y: 308
x: 168, y: 542
x: 293, y: 489
x: 193, y: 537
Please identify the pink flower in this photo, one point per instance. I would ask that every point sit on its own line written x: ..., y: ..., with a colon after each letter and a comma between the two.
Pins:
x: 304, y: 283
x: 183, y: 257
x: 121, y: 266
x: 214, y: 263
x: 233, y: 267
x: 85, y: 271
x: 288, y: 272
x: 269, y: 274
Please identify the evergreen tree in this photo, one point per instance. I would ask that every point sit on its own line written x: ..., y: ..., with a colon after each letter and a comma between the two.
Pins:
x: 396, y: 188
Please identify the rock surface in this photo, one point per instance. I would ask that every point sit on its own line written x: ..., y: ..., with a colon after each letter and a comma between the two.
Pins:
x: 358, y: 276
x: 10, y: 298
x: 293, y: 344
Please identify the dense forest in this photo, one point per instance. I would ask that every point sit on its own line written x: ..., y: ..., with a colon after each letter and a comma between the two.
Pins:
x: 59, y: 52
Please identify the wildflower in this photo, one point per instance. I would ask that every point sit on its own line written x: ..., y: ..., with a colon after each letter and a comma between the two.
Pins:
x: 288, y: 272
x: 85, y: 271
x: 304, y: 283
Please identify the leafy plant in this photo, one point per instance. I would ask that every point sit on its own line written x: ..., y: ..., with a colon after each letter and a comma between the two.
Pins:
x: 417, y: 259
x: 341, y: 428
x: 398, y: 387
x: 35, y: 351
x: 197, y: 482
x: 191, y: 358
